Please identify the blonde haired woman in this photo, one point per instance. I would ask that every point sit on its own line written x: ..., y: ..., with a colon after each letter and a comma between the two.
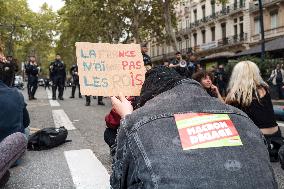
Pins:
x: 248, y: 92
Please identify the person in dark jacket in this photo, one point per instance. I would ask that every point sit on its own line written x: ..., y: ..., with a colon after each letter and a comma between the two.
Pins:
x: 180, y: 137
x: 14, y: 68
x: 75, y: 82
x: 146, y: 57
x: 32, y: 71
x: 14, y: 116
x: 58, y: 77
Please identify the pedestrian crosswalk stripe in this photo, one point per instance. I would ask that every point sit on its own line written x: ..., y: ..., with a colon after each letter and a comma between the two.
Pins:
x: 281, y: 124
x: 61, y: 119
x: 51, y: 102
x: 86, y: 170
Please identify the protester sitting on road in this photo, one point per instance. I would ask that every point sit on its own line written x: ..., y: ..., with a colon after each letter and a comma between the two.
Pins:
x: 248, y: 92
x: 14, y: 116
x: 113, y: 122
x: 11, y: 149
x: 205, y: 79
x: 180, y: 137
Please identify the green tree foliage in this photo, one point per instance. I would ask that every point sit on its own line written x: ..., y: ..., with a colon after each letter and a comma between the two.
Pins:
x: 24, y: 33
x: 112, y: 21
x: 265, y: 67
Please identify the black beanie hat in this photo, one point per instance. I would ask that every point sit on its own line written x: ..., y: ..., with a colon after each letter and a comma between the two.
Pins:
x: 157, y: 80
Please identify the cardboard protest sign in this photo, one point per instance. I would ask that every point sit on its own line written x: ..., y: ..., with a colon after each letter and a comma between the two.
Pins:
x: 203, y: 130
x: 108, y: 69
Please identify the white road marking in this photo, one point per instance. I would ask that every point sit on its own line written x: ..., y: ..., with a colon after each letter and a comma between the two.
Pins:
x: 281, y: 124
x: 86, y: 170
x: 61, y: 119
x: 51, y: 102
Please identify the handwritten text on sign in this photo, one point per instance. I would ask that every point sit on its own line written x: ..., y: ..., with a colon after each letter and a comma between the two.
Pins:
x: 203, y: 130
x: 107, y: 69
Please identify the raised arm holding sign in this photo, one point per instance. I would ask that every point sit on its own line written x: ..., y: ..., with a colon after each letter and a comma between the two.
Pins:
x: 108, y: 69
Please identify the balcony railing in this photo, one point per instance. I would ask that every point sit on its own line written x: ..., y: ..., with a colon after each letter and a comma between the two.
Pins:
x: 224, y: 12
x: 232, y: 39
x: 269, y: 33
x: 253, y: 6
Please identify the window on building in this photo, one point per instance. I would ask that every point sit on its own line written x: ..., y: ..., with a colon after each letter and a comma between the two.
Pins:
x: 195, y: 39
x: 213, y: 33
x: 187, y: 43
x: 235, y: 4
x: 158, y: 50
x: 223, y: 28
x: 187, y: 23
x: 235, y: 30
x: 242, y: 3
x: 195, y: 15
x: 235, y: 20
x: 213, y: 6
x: 241, y: 30
x: 203, y: 36
x: 274, y: 19
x: 241, y: 18
x: 256, y: 25
x: 180, y: 45
x: 203, y: 11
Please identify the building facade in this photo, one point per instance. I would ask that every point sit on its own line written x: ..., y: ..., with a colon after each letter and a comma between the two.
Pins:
x: 211, y: 29
x: 273, y: 20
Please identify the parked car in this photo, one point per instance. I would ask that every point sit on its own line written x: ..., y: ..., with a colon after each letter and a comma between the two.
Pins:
x: 18, y: 82
x: 41, y: 82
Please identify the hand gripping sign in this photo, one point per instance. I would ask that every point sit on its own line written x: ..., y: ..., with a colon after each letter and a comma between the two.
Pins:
x: 108, y: 69
x: 203, y: 130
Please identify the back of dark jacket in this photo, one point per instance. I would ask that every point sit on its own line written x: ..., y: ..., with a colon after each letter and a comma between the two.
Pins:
x: 14, y: 116
x: 150, y: 155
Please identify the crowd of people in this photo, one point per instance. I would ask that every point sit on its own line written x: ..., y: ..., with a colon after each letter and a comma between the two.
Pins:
x: 188, y: 128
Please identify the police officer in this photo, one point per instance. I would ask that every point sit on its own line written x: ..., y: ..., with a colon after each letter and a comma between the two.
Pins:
x: 146, y: 57
x: 11, y: 68
x: 100, y: 100
x: 32, y: 73
x: 75, y: 78
x: 58, y: 77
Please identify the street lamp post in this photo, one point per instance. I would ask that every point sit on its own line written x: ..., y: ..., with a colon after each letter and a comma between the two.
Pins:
x: 261, y: 30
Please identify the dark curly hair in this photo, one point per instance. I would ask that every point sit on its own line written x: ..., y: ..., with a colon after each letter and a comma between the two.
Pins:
x: 198, y: 76
x: 157, y: 80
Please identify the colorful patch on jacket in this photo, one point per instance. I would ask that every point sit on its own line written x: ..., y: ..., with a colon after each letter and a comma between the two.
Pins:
x: 204, y: 130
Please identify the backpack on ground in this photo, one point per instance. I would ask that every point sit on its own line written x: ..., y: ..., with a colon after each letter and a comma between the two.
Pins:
x: 47, y: 138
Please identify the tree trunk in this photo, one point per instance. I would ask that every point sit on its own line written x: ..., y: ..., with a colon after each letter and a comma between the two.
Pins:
x: 171, y: 36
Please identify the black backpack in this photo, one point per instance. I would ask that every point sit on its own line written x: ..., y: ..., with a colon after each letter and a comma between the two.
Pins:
x: 47, y: 138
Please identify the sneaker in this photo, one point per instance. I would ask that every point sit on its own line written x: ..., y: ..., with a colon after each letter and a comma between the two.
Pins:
x: 61, y: 98
x: 87, y: 104
x: 71, y: 97
x: 34, y: 98
x: 4, y: 179
x: 53, y: 98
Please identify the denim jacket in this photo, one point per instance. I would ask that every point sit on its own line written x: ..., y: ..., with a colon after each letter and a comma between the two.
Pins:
x: 149, y: 152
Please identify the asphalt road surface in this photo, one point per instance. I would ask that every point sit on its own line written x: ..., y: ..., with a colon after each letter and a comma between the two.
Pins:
x: 85, y: 162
